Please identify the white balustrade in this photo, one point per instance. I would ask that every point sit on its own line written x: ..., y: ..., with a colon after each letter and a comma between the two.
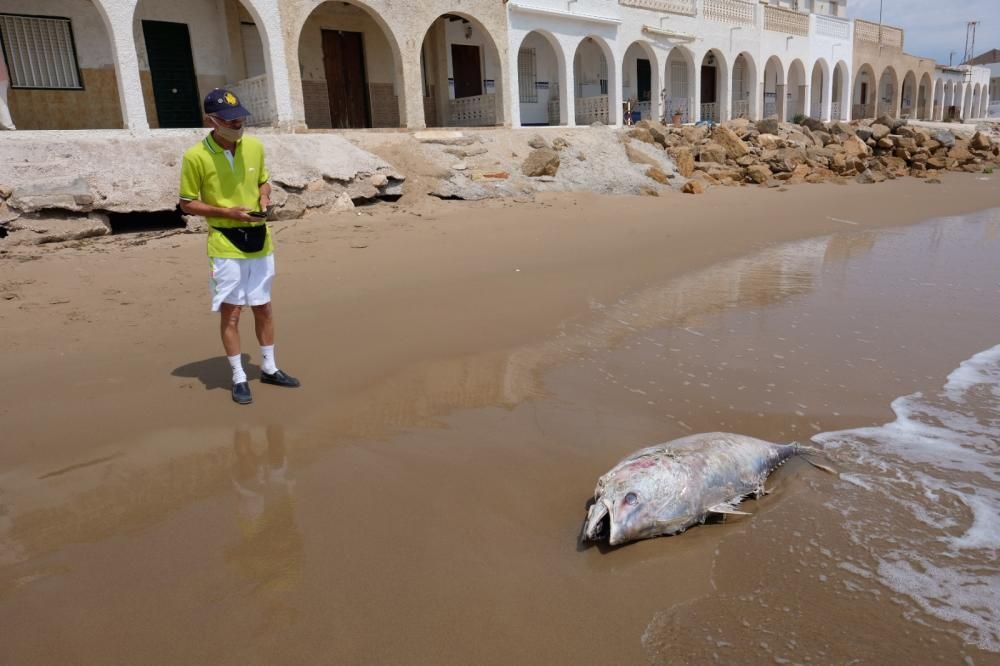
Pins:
x: 255, y: 96
x: 737, y: 12
x: 883, y: 35
x: 684, y: 7
x: 710, y: 111
x: 835, y: 28
x: 835, y: 111
x: 590, y: 110
x: 786, y: 20
x: 476, y: 111
x: 741, y: 108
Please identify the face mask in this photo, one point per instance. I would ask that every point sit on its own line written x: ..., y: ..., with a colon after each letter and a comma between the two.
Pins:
x: 227, y: 133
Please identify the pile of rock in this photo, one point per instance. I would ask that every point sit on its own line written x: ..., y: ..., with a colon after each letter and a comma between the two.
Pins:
x: 773, y: 154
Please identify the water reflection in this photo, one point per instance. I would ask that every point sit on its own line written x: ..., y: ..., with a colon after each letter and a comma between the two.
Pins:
x: 132, y: 485
x: 269, y: 554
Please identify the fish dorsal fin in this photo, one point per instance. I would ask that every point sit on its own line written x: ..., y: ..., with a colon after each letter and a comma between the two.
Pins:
x: 727, y: 508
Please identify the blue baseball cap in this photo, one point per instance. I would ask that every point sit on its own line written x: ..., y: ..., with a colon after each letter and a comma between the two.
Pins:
x: 223, y: 104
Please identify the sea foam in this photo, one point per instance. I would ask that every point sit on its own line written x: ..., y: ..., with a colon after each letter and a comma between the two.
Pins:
x: 935, y: 474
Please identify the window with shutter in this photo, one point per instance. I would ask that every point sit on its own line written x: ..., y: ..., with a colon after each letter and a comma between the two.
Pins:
x: 40, y: 52
x: 527, y: 76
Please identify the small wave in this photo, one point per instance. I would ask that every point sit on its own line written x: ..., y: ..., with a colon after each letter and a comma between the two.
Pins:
x: 935, y: 474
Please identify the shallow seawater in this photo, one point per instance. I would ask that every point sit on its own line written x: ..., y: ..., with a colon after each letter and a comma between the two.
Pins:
x: 435, y: 517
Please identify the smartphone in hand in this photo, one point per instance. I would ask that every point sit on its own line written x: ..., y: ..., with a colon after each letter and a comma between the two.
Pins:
x: 260, y: 215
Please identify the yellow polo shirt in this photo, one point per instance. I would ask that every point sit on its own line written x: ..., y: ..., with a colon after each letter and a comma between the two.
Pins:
x: 207, y: 175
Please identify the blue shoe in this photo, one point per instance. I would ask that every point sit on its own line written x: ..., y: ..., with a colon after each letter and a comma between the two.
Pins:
x: 279, y: 378
x: 241, y: 393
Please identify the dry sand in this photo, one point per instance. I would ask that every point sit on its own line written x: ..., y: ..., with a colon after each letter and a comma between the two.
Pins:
x: 444, y: 443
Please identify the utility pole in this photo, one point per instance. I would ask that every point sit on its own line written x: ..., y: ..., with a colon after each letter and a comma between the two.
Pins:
x: 970, y: 41
x: 951, y: 55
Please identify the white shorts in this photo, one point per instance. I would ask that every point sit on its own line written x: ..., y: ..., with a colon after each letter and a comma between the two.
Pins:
x: 241, y: 281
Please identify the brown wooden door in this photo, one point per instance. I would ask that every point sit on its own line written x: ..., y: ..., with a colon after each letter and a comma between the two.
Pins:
x: 467, y: 70
x: 346, y: 82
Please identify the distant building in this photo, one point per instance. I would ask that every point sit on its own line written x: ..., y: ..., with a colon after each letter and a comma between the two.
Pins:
x: 991, y: 61
x: 141, y: 64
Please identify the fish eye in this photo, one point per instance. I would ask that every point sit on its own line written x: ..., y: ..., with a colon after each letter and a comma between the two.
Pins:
x: 631, y: 499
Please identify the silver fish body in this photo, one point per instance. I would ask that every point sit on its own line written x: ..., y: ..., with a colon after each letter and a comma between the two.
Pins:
x: 665, y: 489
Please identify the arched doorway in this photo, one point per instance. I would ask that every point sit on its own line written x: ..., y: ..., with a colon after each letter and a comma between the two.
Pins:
x: 967, y: 103
x: 796, y: 90
x: 679, y: 89
x: 984, y: 109
x: 938, y: 106
x: 641, y: 82
x: 593, y: 64
x: 908, y: 96
x: 61, y: 67
x: 774, y: 89
x: 181, y: 58
x: 865, y: 93
x: 714, y: 94
x: 462, y: 74
x: 817, y: 89
x: 350, y: 67
x: 838, y: 106
x: 924, y: 97
x: 888, y: 94
x: 744, y: 98
x: 540, y: 63
x: 976, y: 92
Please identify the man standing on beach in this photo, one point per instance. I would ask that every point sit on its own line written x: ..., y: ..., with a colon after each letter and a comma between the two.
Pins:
x: 224, y: 180
x: 5, y: 120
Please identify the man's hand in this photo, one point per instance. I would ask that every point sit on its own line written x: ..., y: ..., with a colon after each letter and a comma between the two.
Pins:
x: 265, y: 202
x: 238, y: 214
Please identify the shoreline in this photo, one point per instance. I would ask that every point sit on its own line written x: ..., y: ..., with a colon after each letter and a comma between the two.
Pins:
x: 436, y: 281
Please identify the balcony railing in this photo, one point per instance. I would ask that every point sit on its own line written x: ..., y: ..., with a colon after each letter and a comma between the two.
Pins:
x: 737, y: 12
x: 685, y: 7
x: 741, y: 108
x: 255, y: 96
x: 590, y: 110
x: 861, y: 111
x: 710, y: 111
x: 816, y: 111
x: 785, y: 20
x: 835, y: 111
x: 835, y: 28
x: 477, y: 111
x: 674, y: 105
x: 883, y: 35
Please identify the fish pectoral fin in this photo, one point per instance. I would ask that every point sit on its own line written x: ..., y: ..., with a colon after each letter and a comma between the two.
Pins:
x: 727, y: 509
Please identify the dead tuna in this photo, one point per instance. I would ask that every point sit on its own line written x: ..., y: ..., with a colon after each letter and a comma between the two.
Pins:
x: 667, y: 488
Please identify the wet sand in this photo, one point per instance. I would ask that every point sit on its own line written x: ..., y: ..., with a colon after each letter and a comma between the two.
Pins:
x: 468, y: 376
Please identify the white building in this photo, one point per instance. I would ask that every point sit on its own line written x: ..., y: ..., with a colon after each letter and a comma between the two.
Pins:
x: 318, y: 64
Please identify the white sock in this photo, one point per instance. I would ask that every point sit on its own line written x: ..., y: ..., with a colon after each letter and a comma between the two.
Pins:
x: 267, y: 363
x: 236, y: 363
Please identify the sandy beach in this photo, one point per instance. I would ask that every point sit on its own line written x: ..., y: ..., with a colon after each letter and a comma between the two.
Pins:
x: 469, y: 370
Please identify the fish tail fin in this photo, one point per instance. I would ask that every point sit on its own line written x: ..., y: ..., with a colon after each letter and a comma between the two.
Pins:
x: 810, y: 452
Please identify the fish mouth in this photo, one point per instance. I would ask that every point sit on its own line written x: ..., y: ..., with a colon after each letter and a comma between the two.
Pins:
x: 598, y: 526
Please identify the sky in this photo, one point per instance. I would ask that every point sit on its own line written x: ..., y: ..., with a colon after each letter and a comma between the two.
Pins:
x: 934, y: 28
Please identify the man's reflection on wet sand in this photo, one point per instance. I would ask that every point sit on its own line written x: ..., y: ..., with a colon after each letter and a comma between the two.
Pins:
x: 270, y: 553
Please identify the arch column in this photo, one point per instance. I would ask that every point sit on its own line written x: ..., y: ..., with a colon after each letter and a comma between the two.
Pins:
x: 696, y: 98
x: 567, y: 97
x: 616, y: 98
x: 515, y: 81
x: 277, y: 67
x: 118, y: 21
x: 826, y: 112
x: 726, y: 95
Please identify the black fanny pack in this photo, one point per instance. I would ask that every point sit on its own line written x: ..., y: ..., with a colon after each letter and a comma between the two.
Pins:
x: 245, y: 239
